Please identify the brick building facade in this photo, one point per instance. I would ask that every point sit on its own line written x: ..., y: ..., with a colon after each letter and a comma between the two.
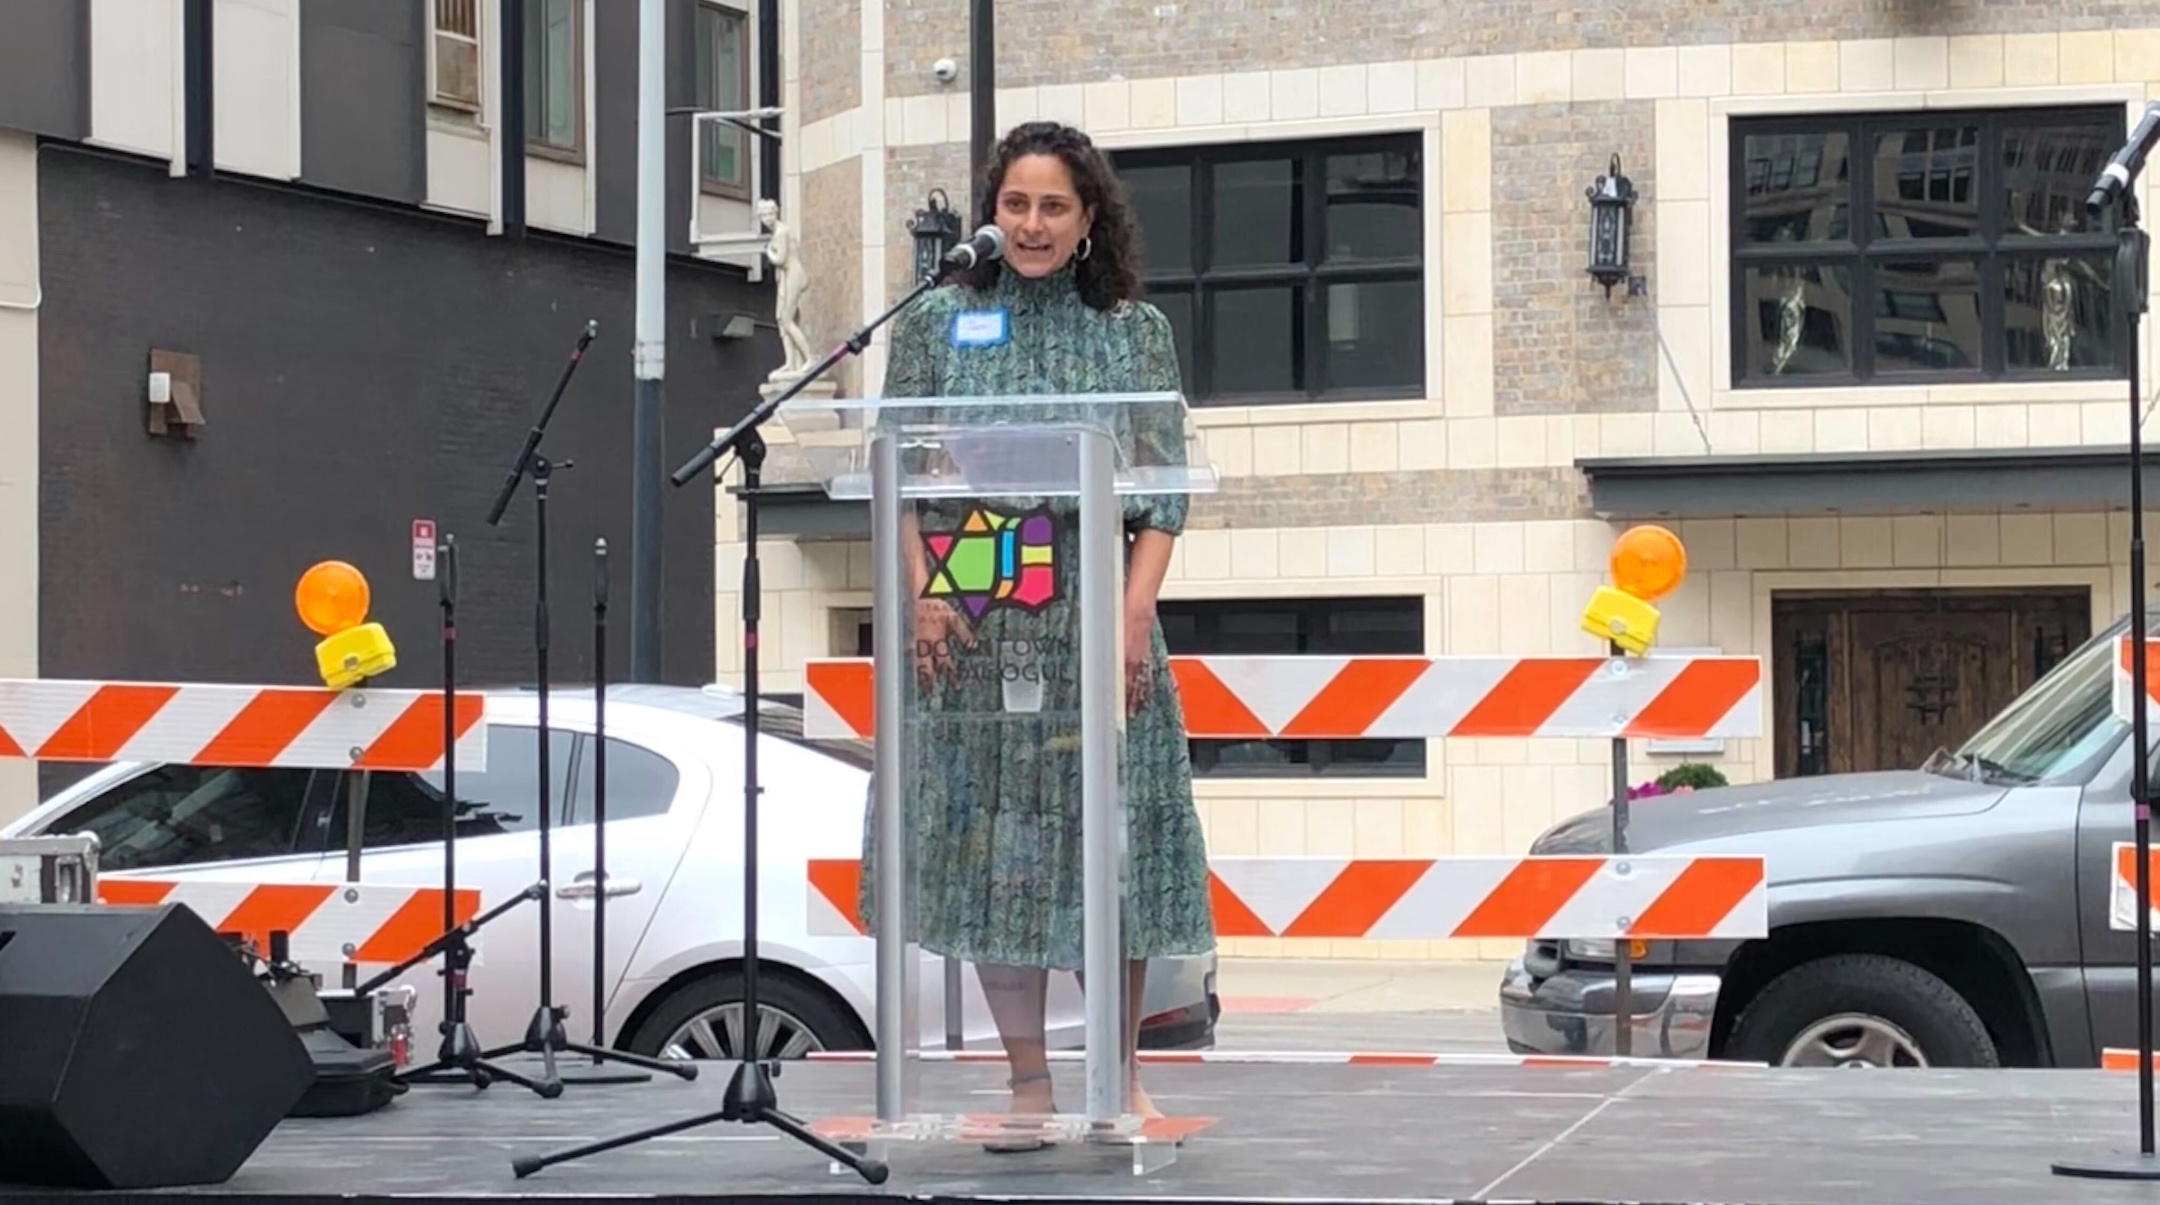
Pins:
x: 1444, y: 469
x: 317, y: 207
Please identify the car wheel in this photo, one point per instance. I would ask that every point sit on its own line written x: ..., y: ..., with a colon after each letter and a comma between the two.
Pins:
x: 1861, y: 1010
x: 703, y: 1020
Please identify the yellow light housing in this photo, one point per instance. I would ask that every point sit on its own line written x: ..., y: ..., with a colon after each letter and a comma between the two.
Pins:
x: 1622, y: 619
x: 333, y: 599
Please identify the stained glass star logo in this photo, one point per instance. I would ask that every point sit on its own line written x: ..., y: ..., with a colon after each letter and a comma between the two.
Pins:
x: 995, y: 560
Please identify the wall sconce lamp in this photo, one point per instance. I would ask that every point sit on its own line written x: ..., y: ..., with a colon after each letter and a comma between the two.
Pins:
x: 1612, y: 212
x: 733, y: 326
x: 936, y: 227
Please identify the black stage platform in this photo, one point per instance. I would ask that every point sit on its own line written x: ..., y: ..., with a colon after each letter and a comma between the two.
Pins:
x: 1284, y: 1133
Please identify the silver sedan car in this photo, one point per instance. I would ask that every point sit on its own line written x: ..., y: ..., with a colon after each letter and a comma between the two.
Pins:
x: 674, y: 885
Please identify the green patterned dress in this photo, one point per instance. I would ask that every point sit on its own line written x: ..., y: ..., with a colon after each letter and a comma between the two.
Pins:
x: 993, y: 796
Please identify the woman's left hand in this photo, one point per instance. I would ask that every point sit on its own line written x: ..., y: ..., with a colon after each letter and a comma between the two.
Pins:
x: 1139, y: 653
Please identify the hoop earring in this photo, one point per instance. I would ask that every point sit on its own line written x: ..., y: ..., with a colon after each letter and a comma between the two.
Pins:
x: 1087, y: 246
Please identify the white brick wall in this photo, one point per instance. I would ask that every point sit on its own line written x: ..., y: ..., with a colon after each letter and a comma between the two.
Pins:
x: 1517, y: 587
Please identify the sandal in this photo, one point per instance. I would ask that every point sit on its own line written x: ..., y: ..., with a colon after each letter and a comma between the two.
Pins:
x: 1027, y: 1136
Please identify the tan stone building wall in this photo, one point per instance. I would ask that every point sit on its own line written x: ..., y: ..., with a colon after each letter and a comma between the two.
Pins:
x: 1468, y: 498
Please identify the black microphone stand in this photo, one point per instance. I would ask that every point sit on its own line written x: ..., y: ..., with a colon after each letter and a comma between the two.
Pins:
x: 2128, y: 289
x: 545, y: 1034
x: 600, y: 1052
x: 460, y: 1058
x: 751, y: 1097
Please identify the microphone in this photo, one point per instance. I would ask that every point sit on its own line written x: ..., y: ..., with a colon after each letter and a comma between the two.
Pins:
x: 2127, y: 163
x: 987, y: 245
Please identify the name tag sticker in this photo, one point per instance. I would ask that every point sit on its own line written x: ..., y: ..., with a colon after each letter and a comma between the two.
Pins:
x: 979, y: 328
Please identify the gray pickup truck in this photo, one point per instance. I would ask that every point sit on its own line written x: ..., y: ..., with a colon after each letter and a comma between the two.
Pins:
x: 1951, y: 915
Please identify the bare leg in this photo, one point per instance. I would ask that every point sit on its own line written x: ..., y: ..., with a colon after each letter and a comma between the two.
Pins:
x: 1016, y: 996
x: 1135, y: 997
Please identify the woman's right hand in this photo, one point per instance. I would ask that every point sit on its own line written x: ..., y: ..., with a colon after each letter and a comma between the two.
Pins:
x: 939, y: 631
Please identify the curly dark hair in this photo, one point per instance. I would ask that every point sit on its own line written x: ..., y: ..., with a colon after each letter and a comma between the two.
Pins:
x: 1111, y: 272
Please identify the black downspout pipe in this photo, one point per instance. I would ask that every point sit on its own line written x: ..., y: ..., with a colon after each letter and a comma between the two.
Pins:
x: 768, y: 73
x: 982, y: 103
x: 511, y: 121
x: 199, y: 87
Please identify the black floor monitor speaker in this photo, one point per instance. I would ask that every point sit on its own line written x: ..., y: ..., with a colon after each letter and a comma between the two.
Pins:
x: 137, y: 1050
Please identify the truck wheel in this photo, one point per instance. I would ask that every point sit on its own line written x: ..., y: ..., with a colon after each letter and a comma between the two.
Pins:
x: 1861, y: 1010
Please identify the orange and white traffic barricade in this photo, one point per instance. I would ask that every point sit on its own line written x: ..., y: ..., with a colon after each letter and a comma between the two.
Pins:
x: 1666, y: 697
x: 1631, y: 692
x: 215, y: 724
x: 364, y: 924
x: 218, y: 724
x: 1643, y: 897
x: 1648, y: 898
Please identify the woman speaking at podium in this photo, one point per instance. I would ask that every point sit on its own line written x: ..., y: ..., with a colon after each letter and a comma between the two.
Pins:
x: 993, y: 797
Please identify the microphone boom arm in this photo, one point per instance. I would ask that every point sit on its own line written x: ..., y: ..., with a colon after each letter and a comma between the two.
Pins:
x: 854, y: 345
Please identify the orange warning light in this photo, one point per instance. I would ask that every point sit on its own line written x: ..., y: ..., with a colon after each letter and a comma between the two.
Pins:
x: 1648, y: 562
x: 333, y: 600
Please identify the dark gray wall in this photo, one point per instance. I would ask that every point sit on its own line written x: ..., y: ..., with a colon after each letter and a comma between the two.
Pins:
x: 45, y: 67
x: 362, y: 367
x: 615, y: 60
x: 681, y: 94
x: 363, y: 97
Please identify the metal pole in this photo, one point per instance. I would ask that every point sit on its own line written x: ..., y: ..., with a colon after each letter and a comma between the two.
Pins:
x: 1623, y: 965
x: 2130, y: 281
x: 891, y: 671
x: 982, y: 97
x: 1101, y: 834
x: 649, y: 352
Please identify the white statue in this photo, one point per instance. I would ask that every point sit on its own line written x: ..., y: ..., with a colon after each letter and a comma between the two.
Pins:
x: 784, y: 252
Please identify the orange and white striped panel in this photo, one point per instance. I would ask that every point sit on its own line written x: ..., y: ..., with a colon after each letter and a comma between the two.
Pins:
x: 2123, y: 682
x: 214, y: 724
x: 1404, y: 698
x: 1321, y: 1058
x: 328, y: 923
x: 2122, y: 899
x: 1649, y: 897
x: 2123, y: 1058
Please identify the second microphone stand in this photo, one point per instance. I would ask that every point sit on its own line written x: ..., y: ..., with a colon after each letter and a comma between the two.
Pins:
x: 751, y: 1097
x: 545, y: 1035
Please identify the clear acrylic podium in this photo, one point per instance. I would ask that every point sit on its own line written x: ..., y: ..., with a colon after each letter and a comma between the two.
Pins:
x: 997, y: 831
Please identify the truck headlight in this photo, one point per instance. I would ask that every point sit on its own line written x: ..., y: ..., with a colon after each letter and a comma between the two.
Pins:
x: 1604, y: 949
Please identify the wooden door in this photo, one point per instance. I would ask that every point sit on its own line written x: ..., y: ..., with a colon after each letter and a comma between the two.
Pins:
x: 1879, y: 680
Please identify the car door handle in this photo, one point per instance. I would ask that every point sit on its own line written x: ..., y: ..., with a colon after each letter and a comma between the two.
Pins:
x: 584, y: 887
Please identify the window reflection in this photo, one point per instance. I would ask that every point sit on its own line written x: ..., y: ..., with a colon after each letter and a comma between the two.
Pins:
x: 1925, y: 184
x: 1796, y: 187
x: 1800, y: 315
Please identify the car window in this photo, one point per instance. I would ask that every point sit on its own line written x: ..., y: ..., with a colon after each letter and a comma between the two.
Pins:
x: 639, y: 782
x: 190, y: 815
x: 407, y: 809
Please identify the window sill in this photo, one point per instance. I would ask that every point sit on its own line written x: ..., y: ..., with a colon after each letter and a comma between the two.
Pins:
x: 1330, y: 786
x: 1859, y: 396
x: 1298, y: 414
x: 554, y: 154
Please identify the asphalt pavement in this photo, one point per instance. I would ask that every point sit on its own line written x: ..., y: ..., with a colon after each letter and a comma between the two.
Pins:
x: 1331, y: 1005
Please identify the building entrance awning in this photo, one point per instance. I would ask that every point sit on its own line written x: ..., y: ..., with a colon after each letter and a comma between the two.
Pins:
x: 1992, y: 479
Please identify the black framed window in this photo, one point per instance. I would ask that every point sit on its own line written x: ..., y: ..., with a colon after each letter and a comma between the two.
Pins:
x: 723, y: 85
x: 1292, y: 272
x: 1931, y: 247
x: 1316, y: 626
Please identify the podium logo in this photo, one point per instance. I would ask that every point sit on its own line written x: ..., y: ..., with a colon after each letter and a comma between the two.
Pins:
x: 995, y: 560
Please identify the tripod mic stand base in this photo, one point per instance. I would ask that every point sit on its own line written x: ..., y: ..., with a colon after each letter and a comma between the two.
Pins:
x: 546, y: 1037
x: 461, y: 1061
x: 596, y: 1072
x: 2111, y: 1167
x: 750, y: 1100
